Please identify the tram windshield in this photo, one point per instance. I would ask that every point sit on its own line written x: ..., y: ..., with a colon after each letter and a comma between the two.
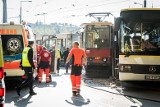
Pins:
x: 97, y: 36
x: 140, y: 38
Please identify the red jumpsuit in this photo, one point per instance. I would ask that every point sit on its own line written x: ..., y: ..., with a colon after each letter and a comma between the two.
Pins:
x: 77, y: 54
x: 44, y: 65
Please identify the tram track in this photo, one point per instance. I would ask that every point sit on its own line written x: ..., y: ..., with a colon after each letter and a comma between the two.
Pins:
x: 126, y: 88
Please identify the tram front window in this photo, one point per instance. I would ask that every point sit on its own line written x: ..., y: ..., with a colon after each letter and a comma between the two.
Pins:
x: 97, y: 36
x: 140, y: 38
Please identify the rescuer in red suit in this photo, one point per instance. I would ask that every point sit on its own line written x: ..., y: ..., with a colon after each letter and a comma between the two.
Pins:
x: 44, y: 64
x: 78, y: 58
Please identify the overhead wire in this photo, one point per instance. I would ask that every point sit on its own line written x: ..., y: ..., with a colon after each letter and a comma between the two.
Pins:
x: 93, y: 6
x: 59, y: 11
x: 83, y: 4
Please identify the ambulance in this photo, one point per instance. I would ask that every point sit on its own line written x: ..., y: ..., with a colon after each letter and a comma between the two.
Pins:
x: 14, y: 39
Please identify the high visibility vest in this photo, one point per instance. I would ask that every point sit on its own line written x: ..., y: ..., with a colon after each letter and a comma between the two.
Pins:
x: 58, y: 54
x: 25, y: 61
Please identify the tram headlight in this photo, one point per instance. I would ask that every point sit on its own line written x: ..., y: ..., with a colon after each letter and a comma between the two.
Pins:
x: 104, y: 59
x: 125, y: 68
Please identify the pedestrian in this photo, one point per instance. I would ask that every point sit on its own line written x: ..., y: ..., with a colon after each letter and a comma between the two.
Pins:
x: 44, y: 65
x: 78, y: 58
x: 52, y: 51
x: 28, y: 66
x: 65, y: 55
x: 59, y: 55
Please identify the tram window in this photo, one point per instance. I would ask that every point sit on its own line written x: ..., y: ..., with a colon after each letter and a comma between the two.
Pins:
x: 90, y: 40
x: 98, y: 36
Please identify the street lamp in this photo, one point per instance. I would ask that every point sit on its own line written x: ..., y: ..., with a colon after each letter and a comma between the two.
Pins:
x: 138, y: 3
x: 4, y: 11
x: 44, y: 15
x: 21, y: 10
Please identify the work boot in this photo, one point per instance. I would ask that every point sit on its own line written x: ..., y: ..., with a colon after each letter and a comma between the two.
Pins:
x: 50, y: 77
x: 32, y: 93
x: 18, y: 91
x: 74, y: 93
x: 78, y: 92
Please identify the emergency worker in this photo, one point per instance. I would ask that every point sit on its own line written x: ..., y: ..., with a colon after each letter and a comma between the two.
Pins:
x: 52, y: 51
x: 65, y: 55
x: 59, y: 55
x: 78, y: 58
x: 28, y: 66
x: 44, y: 64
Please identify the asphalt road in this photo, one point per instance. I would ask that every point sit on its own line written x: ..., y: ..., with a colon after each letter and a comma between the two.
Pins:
x: 58, y: 94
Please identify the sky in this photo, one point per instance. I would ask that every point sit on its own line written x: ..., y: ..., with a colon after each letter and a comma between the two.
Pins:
x: 68, y: 11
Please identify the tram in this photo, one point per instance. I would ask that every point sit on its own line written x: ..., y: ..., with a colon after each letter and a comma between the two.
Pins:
x: 137, y: 45
x: 97, y: 41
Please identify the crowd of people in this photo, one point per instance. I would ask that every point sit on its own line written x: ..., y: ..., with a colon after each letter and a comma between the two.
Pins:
x: 46, y: 63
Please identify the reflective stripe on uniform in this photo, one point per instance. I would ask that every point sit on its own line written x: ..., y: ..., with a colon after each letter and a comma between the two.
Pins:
x: 78, y: 87
x: 25, y: 61
x: 74, y: 88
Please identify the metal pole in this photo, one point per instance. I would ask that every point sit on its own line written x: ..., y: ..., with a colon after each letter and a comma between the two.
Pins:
x: 4, y: 11
x: 44, y: 24
x: 145, y: 3
x: 20, y: 16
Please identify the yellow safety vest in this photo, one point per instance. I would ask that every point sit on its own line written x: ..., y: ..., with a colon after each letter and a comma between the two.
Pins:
x: 58, y: 54
x: 25, y: 61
